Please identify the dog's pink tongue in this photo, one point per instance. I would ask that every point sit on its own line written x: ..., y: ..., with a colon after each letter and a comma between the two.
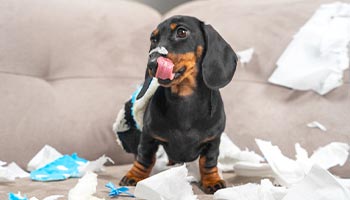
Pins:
x: 165, y: 68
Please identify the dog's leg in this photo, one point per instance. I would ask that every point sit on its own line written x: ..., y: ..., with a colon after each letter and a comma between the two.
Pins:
x: 210, y: 179
x: 144, y: 162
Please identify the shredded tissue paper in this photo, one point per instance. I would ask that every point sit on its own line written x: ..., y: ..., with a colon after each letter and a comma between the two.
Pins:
x: 306, y: 178
x: 318, y: 54
x: 171, y: 184
x: 85, y: 188
x: 10, y: 172
x: 316, y: 124
x: 245, y: 56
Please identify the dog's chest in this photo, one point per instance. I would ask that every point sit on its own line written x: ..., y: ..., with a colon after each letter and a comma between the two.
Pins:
x: 192, y: 117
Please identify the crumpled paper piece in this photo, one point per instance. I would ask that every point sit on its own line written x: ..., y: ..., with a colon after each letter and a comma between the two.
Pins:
x: 318, y: 184
x: 287, y: 171
x: 335, y: 153
x: 230, y: 155
x: 318, y: 54
x: 85, y: 188
x: 18, y: 196
x: 263, y: 191
x: 316, y: 124
x: 245, y: 56
x: 94, y: 166
x: 45, y: 156
x: 63, y: 166
x: 162, y: 161
x: 10, y: 172
x: 167, y: 185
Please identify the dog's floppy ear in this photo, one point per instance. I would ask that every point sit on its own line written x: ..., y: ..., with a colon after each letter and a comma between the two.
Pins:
x: 219, y: 62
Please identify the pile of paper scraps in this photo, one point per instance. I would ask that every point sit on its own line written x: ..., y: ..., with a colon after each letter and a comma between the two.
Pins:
x: 50, y: 165
x: 305, y: 178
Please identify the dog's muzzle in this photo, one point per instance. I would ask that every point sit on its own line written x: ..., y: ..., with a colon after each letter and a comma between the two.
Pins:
x: 160, y: 66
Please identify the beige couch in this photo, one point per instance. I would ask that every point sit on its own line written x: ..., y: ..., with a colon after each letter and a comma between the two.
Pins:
x: 66, y: 67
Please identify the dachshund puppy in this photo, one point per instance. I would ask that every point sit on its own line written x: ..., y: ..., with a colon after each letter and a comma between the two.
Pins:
x: 191, y: 62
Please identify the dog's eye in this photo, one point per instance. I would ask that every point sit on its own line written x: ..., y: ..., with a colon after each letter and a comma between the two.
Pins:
x: 181, y: 33
x: 153, y: 40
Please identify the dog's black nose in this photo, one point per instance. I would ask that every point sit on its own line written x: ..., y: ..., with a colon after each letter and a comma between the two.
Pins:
x: 152, y: 63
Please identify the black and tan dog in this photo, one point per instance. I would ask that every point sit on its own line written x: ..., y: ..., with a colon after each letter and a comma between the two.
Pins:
x: 186, y: 113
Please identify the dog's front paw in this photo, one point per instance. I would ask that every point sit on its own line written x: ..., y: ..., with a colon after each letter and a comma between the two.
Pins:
x: 137, y: 173
x: 128, y: 181
x: 212, y: 187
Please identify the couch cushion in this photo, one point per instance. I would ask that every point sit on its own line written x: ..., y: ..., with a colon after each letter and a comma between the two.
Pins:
x: 63, y: 69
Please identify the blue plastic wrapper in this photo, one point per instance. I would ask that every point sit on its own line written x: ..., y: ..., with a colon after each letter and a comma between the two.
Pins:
x: 63, y: 168
x: 16, y: 197
x: 114, y: 191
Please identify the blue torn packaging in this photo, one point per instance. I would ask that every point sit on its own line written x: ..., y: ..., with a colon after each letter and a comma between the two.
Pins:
x: 64, y: 167
x: 114, y: 191
x: 16, y: 197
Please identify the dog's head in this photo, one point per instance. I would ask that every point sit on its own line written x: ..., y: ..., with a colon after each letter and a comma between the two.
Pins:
x: 183, y: 48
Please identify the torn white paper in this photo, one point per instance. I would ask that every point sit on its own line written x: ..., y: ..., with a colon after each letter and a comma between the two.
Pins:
x: 253, y: 169
x: 316, y: 124
x: 230, y: 154
x: 85, y: 188
x: 168, y: 185
x: 248, y: 191
x: 318, y: 184
x: 344, y: 182
x: 53, y: 197
x: 335, y: 153
x: 18, y: 171
x: 94, y: 166
x: 286, y: 170
x: 162, y: 160
x: 11, y: 172
x: 318, y: 54
x: 264, y: 191
x: 45, y: 156
x: 245, y: 56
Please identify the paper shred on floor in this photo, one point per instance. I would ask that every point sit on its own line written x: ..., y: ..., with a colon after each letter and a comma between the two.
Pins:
x: 318, y: 184
x: 231, y: 154
x: 170, y: 185
x: 263, y: 191
x: 287, y: 171
x: 10, y: 172
x: 85, y: 188
x: 245, y: 56
x: 316, y: 124
x: 94, y: 166
x: 45, y: 156
x: 335, y: 153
